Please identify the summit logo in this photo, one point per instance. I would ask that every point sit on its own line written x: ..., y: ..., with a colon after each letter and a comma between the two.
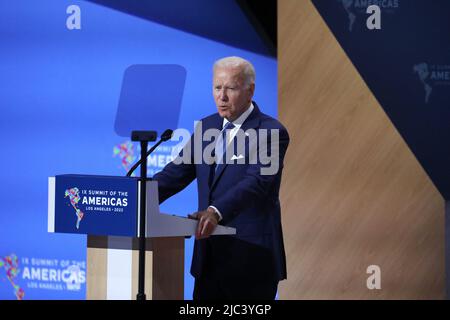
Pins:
x: 432, y: 76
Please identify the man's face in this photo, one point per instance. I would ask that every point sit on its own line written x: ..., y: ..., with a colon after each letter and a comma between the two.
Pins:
x: 231, y: 94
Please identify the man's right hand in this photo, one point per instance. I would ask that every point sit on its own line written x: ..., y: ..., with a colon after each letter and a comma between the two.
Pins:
x: 207, y: 222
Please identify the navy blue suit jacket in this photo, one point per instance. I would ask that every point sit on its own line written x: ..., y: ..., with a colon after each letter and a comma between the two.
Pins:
x: 247, y: 200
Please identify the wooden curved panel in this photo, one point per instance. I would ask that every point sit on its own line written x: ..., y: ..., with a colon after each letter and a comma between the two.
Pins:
x: 353, y: 194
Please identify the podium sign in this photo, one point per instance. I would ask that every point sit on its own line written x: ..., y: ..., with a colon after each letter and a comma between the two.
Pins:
x: 94, y: 205
x: 106, y: 208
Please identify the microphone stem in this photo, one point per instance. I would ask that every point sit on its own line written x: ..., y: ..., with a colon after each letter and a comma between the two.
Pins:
x: 142, y: 159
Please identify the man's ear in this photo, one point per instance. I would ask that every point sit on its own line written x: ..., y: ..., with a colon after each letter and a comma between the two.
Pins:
x: 252, y: 88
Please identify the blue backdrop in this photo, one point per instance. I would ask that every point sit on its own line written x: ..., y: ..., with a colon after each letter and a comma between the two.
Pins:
x: 60, y: 92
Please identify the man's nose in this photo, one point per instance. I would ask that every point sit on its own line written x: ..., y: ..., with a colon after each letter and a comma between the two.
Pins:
x: 223, y: 95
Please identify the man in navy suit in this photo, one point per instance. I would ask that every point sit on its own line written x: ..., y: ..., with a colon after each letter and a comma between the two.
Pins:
x: 239, y: 190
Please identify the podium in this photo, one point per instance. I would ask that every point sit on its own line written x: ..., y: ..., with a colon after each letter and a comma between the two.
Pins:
x: 106, y: 209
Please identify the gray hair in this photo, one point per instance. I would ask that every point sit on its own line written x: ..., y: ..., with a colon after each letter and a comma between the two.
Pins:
x: 248, y: 71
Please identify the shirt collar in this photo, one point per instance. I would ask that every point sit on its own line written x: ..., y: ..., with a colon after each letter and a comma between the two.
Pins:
x: 239, y: 121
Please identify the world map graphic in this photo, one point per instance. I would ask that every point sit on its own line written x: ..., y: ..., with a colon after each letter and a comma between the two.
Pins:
x: 74, y: 197
x: 11, y: 265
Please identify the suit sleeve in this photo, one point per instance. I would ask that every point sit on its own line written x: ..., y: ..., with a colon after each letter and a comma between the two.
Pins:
x: 175, y: 177
x: 254, y: 186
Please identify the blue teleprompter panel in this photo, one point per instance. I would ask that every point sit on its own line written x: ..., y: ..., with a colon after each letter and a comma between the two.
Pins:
x: 149, y: 92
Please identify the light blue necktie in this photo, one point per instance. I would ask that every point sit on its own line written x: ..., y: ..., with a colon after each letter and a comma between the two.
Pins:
x: 223, y: 148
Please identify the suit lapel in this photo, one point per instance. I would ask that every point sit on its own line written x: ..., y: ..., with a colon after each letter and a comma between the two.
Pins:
x: 216, y: 124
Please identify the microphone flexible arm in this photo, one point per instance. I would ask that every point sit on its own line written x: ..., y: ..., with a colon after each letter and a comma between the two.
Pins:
x: 130, y: 172
x: 164, y: 137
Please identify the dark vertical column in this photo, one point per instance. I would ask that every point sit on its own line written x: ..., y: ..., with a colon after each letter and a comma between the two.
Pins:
x: 141, y: 277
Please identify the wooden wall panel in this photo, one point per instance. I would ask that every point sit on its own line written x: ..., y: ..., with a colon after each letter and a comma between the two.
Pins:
x: 353, y: 194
